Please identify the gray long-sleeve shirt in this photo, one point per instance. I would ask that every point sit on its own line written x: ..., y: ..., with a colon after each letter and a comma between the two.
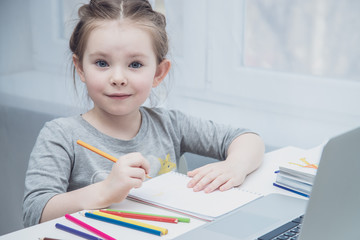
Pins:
x: 58, y: 164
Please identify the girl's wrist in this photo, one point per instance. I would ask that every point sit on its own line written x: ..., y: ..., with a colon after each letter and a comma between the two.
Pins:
x: 98, y: 196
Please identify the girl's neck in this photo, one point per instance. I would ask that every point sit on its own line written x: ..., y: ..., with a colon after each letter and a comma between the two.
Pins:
x: 121, y: 127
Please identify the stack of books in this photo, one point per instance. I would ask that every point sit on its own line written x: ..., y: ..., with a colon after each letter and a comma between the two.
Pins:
x: 297, y: 175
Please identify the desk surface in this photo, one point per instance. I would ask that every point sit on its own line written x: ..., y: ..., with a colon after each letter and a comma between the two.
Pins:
x: 259, y: 181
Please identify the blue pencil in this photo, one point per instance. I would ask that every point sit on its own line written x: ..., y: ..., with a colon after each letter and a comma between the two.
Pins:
x: 76, y: 232
x: 291, y: 190
x: 124, y: 224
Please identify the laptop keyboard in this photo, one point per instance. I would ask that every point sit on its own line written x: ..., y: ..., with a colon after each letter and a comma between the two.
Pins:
x: 288, y: 231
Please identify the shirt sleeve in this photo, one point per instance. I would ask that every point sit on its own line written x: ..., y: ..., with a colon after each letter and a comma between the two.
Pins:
x: 48, y: 171
x: 205, y: 137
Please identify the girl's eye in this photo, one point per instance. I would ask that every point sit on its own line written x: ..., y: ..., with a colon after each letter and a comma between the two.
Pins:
x: 135, y: 65
x: 101, y: 63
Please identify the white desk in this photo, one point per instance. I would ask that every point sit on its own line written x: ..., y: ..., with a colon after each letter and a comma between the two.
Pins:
x: 259, y: 181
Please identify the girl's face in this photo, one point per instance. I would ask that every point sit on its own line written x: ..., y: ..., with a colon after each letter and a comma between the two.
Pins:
x: 119, y: 67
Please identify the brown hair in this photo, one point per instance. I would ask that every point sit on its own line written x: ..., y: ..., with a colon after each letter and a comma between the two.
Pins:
x: 137, y: 11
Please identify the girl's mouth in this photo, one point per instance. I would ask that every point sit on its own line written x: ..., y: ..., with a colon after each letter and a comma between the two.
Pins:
x: 119, y: 96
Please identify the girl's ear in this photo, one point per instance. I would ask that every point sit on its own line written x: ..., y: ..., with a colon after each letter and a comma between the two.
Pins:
x: 162, y: 70
x: 78, y: 67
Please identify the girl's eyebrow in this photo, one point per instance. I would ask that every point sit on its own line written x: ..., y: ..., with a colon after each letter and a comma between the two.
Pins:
x: 97, y: 54
x: 130, y: 55
x: 137, y: 55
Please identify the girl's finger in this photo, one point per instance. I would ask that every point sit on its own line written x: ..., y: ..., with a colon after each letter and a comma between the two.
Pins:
x: 200, y: 173
x: 207, y: 180
x: 216, y: 183
x: 137, y: 160
x: 226, y: 186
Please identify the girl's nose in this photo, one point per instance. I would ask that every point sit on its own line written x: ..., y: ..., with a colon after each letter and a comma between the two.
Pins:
x: 118, y: 78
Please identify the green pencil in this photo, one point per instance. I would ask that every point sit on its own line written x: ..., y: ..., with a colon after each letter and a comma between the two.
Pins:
x: 180, y: 219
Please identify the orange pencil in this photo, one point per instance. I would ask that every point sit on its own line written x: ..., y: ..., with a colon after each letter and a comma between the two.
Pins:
x: 95, y: 150
x: 98, y: 151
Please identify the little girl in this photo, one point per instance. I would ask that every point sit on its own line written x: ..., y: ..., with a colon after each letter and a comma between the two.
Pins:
x: 119, y: 52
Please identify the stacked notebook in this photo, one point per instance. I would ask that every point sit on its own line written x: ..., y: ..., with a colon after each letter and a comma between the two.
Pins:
x: 170, y: 191
x: 298, y: 174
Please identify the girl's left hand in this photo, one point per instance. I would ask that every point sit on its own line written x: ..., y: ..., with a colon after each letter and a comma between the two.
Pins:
x: 220, y: 175
x: 245, y: 154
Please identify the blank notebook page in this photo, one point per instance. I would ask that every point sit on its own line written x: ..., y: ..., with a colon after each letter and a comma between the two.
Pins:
x: 170, y: 191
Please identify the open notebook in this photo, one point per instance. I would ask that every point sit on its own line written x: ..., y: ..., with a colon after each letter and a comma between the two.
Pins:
x: 170, y: 191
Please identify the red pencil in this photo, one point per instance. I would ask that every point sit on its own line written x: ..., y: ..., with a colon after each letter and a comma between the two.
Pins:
x: 143, y: 217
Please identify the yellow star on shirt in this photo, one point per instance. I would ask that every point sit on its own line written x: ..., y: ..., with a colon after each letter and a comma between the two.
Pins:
x: 166, y: 165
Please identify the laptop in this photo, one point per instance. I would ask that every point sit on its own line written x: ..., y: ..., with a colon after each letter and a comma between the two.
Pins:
x: 332, y: 212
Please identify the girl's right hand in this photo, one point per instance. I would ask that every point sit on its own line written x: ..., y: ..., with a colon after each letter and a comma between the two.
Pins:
x: 128, y: 172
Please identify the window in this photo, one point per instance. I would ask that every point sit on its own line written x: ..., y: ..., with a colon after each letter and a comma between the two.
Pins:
x: 305, y: 37
x: 284, y: 68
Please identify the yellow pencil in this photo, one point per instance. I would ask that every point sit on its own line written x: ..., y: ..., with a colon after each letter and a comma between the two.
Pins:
x: 111, y: 216
x: 98, y: 151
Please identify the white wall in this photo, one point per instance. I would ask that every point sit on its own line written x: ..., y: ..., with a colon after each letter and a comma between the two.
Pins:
x: 16, y: 46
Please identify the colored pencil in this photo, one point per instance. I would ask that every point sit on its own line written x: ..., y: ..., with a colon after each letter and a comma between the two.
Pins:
x: 143, y: 217
x: 164, y: 231
x: 46, y: 238
x: 136, y: 225
x: 161, y: 229
x: 180, y: 219
x: 88, y: 227
x: 98, y: 151
x: 76, y: 232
